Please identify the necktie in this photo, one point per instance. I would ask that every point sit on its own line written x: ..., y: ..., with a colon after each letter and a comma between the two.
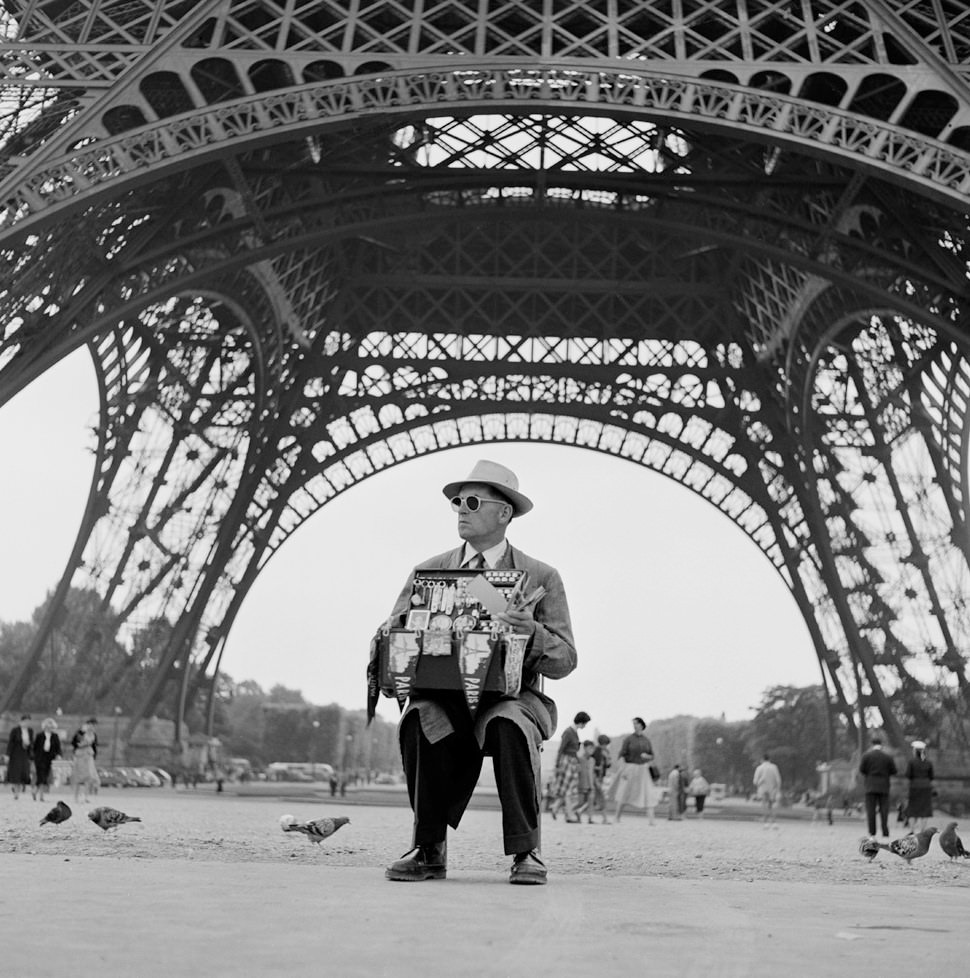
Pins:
x: 477, y: 562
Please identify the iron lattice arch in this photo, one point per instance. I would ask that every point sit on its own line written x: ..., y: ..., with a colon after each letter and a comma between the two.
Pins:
x: 304, y: 242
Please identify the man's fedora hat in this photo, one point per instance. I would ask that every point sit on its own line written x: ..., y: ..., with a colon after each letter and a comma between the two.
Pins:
x: 499, y: 478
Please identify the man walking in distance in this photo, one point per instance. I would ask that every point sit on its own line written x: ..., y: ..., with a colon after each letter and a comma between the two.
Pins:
x: 442, y: 744
x: 767, y: 785
x: 877, y: 767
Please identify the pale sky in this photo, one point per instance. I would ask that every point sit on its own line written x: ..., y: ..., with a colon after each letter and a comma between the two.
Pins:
x: 674, y: 609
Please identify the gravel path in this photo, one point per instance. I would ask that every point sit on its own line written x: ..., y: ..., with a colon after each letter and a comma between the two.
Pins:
x: 207, y: 827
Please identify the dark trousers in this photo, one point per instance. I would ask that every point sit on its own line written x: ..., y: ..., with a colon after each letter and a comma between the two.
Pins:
x: 881, y: 800
x: 441, y: 778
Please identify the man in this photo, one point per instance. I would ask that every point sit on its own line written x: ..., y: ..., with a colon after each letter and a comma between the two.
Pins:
x: 675, y: 782
x: 877, y: 767
x: 442, y: 744
x: 767, y: 786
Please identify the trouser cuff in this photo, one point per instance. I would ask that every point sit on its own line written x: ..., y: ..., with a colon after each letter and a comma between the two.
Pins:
x: 523, y: 842
x: 429, y: 835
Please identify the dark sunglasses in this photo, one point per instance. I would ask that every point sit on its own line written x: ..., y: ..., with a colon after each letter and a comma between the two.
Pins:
x: 473, y: 503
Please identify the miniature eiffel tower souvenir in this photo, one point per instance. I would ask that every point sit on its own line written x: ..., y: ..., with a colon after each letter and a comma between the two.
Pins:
x: 473, y: 659
x: 404, y: 652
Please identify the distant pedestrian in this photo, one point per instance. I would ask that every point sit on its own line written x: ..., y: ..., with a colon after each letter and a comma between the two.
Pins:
x: 682, y: 790
x: 584, y: 783
x: 84, y: 774
x: 699, y: 788
x: 20, y: 747
x: 567, y: 769
x: 919, y: 773
x: 767, y: 786
x: 602, y: 762
x: 876, y: 768
x: 675, y: 786
x: 633, y: 786
x: 47, y: 748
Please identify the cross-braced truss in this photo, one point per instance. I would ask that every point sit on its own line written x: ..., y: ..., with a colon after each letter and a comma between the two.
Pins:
x: 306, y: 241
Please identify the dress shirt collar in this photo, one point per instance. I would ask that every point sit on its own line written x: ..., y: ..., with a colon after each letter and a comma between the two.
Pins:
x: 492, y: 556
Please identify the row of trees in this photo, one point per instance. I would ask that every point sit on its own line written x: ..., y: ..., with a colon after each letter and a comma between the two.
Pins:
x: 792, y: 724
x: 282, y: 726
x: 85, y: 669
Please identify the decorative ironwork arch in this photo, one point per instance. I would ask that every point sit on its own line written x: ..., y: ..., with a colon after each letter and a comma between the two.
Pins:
x: 305, y: 242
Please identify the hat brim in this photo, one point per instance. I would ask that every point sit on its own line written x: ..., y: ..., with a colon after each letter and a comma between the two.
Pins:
x: 520, y: 504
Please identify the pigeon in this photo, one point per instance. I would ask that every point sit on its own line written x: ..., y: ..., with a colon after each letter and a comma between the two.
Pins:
x: 61, y: 812
x: 952, y: 844
x: 110, y: 818
x: 315, y: 831
x: 911, y: 847
x: 868, y: 847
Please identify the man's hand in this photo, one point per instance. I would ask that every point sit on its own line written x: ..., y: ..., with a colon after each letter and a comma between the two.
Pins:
x: 521, y: 621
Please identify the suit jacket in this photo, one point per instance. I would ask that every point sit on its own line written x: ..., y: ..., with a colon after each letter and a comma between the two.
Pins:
x: 877, y: 767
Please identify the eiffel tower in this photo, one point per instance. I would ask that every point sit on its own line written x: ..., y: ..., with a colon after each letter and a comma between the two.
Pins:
x: 306, y: 240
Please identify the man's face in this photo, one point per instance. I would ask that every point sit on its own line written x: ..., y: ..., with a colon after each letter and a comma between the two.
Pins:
x: 485, y: 527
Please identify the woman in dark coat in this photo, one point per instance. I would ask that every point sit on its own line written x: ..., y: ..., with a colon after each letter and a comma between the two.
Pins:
x: 47, y: 748
x: 19, y: 747
x: 919, y: 773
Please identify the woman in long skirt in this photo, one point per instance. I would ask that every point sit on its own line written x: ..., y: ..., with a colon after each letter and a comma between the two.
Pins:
x: 566, y: 783
x: 633, y: 785
x: 919, y: 773
x: 85, y: 772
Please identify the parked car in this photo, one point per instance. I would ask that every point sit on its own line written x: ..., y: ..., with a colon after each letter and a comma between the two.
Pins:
x: 111, y: 778
x: 148, y: 777
x: 165, y: 779
x: 132, y: 778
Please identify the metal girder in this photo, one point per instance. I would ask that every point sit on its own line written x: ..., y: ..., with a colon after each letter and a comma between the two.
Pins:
x: 307, y: 241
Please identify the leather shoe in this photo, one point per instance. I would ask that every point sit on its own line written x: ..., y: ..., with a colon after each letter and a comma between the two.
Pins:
x: 421, y: 863
x: 528, y: 868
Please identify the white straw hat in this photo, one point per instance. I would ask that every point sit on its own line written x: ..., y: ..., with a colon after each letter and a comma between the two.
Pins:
x: 498, y: 477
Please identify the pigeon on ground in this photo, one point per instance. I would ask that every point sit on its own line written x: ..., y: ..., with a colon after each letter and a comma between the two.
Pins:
x: 868, y: 847
x: 315, y: 831
x: 911, y: 847
x: 952, y: 844
x: 110, y: 818
x: 61, y: 812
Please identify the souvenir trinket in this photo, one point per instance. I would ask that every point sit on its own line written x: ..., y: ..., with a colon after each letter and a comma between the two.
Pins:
x: 403, y: 655
x: 473, y: 658
x: 454, y: 638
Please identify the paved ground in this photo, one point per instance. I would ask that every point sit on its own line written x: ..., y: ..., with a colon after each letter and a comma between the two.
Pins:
x: 208, y: 885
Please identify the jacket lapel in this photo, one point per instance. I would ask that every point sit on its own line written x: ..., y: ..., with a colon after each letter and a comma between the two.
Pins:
x: 507, y: 561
